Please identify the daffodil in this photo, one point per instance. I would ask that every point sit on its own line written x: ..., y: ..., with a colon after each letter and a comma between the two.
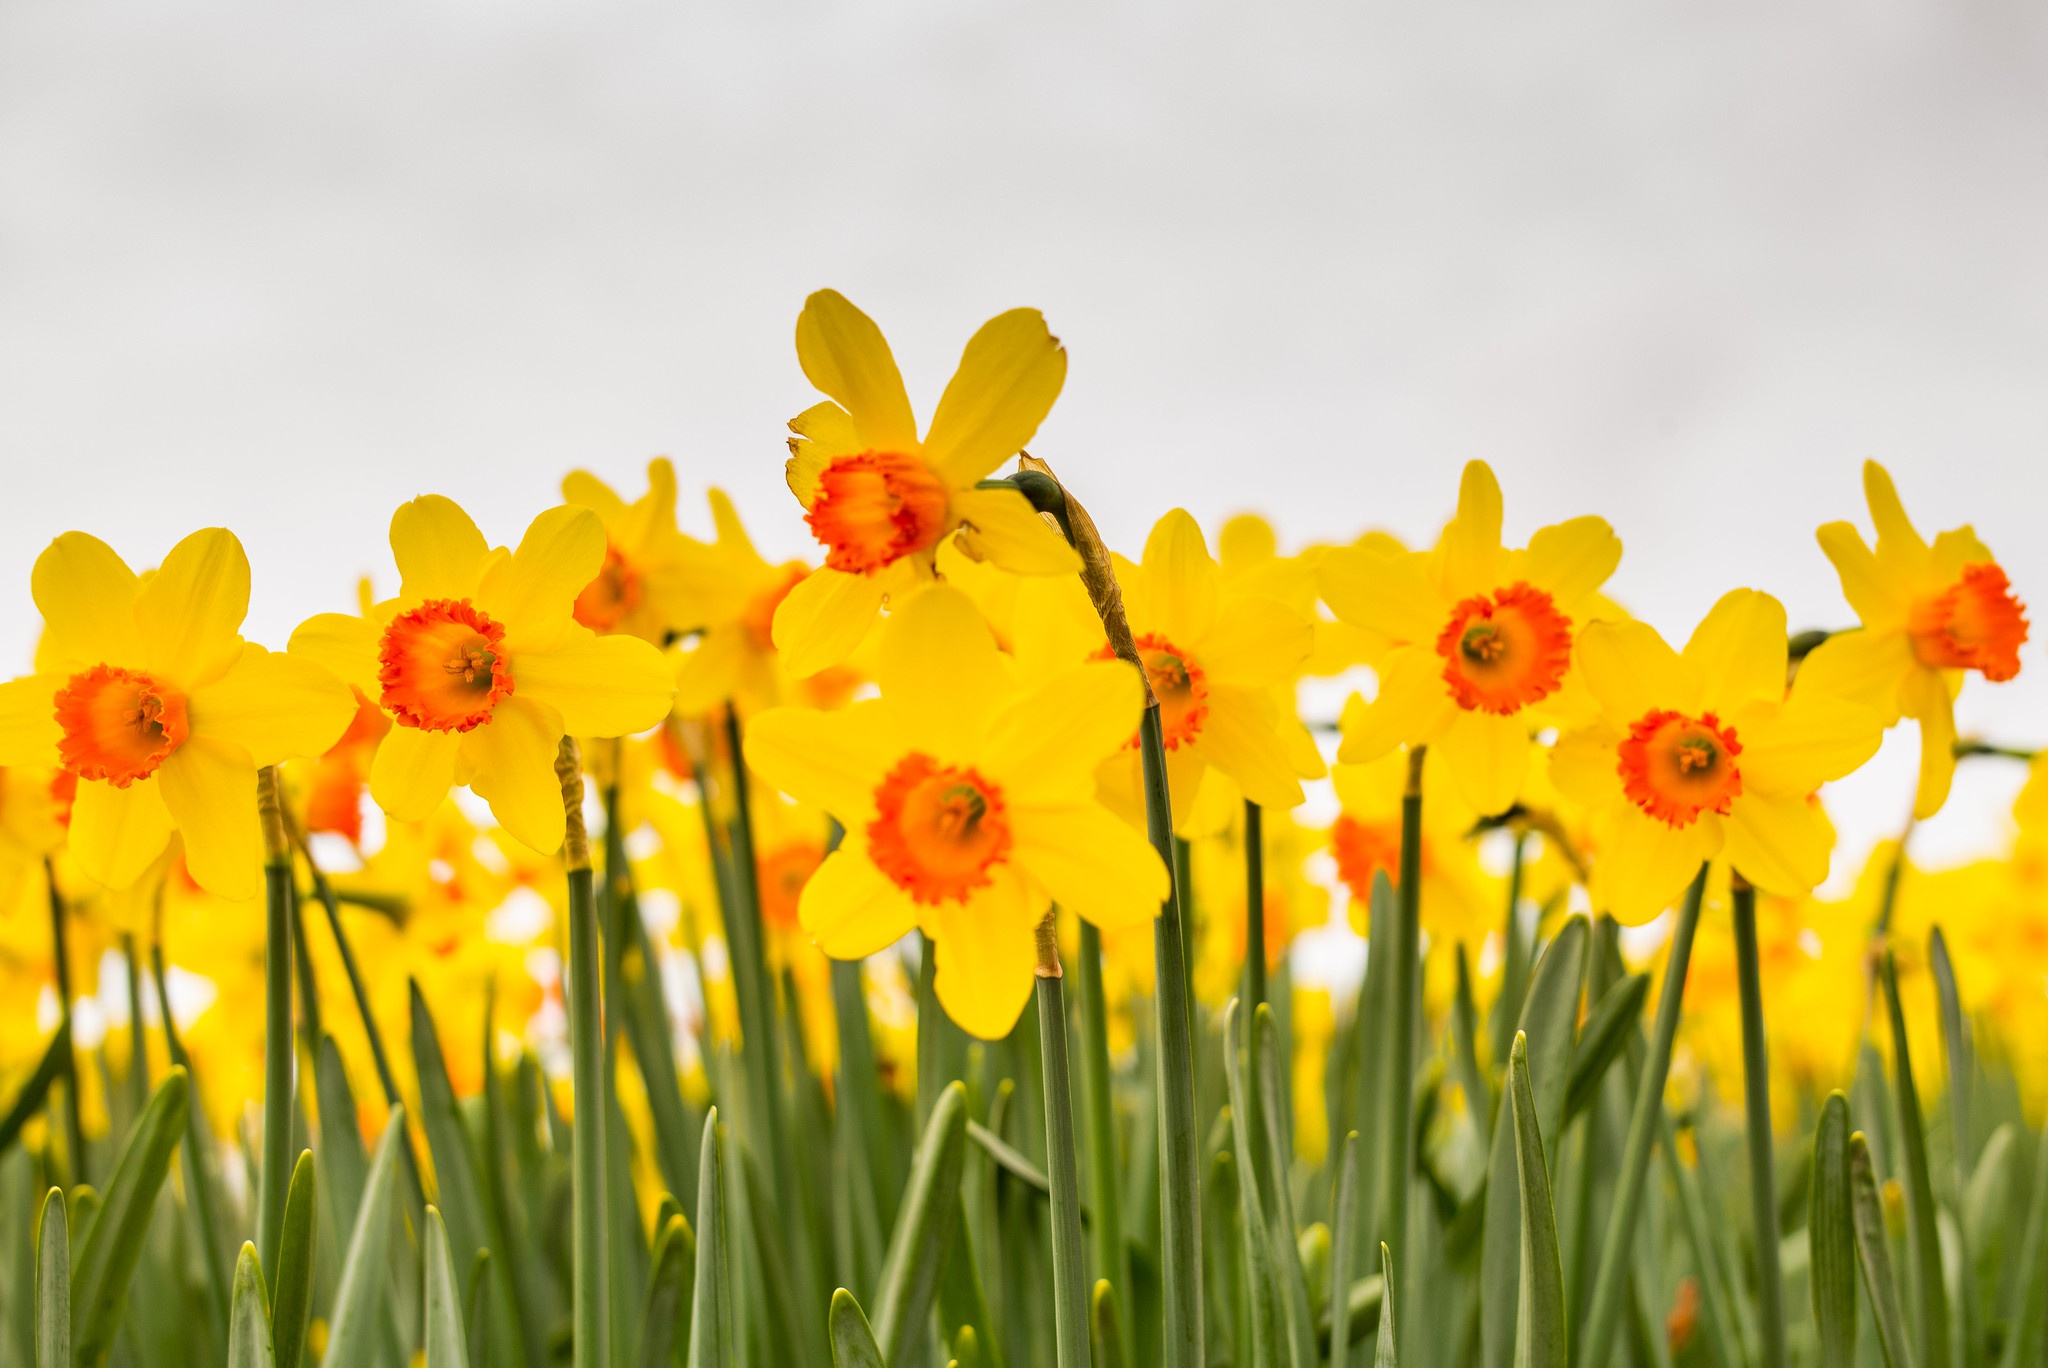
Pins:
x: 146, y: 692
x: 638, y: 590
x: 969, y: 804
x: 1459, y: 901
x: 1481, y: 636
x: 1292, y: 903
x: 879, y: 499
x: 481, y: 666
x: 1701, y: 753
x: 1930, y: 615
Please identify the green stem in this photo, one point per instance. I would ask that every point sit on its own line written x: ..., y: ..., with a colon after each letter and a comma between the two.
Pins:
x: 1398, y: 1061
x: 1070, y: 1296
x: 310, y: 1025
x: 1514, y: 975
x: 197, y: 1152
x: 1254, y: 908
x: 590, y: 1296
x: 1756, y: 1093
x: 1929, y: 1289
x: 1105, y: 1229
x: 1180, y: 1194
x: 138, y: 1035
x: 1610, y: 1285
x: 74, y: 1125
x: 751, y: 987
x: 275, y: 1175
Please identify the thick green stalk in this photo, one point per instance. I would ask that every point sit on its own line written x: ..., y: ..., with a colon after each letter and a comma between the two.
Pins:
x: 1254, y: 908
x: 1610, y: 1285
x: 1069, y: 1281
x: 1515, y: 948
x: 275, y: 1176
x: 74, y: 1125
x: 1756, y: 1093
x: 590, y: 1297
x: 751, y: 985
x: 138, y: 1035
x: 1930, y: 1290
x: 1105, y: 1230
x: 1397, y: 1060
x: 1180, y: 1195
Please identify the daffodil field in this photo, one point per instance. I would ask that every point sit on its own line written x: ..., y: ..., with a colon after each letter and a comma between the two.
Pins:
x: 620, y: 950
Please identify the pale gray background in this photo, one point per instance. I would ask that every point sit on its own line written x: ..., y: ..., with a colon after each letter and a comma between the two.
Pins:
x: 1686, y: 265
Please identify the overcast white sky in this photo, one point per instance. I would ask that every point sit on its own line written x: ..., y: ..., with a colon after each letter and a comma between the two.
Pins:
x: 1683, y: 265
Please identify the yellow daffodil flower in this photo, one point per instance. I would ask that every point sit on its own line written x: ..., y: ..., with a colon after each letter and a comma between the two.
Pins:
x: 145, y: 690
x: 1481, y: 636
x: 1930, y: 615
x: 1700, y: 753
x: 879, y: 500
x: 481, y: 666
x: 1459, y: 901
x: 638, y: 592
x: 969, y: 803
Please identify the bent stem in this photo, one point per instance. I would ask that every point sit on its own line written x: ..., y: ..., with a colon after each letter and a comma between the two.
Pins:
x: 1070, y: 1297
x: 1756, y: 1094
x: 275, y: 1175
x: 590, y: 1313
x: 74, y: 1125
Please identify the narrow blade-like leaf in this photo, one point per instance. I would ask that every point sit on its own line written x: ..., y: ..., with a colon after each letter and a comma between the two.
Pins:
x: 29, y: 1100
x: 1874, y: 1254
x: 248, y: 1327
x: 458, y: 1193
x: 924, y: 1226
x: 1604, y: 1040
x: 53, y: 1284
x: 1268, y: 1349
x: 291, y: 1306
x: 1343, y: 1233
x: 666, y: 1308
x: 1108, y: 1333
x: 853, y: 1343
x: 1540, y: 1341
x: 353, y: 1335
x: 447, y: 1346
x: 711, y: 1331
x: 113, y: 1242
x: 1831, y: 1237
x: 1929, y: 1288
x: 1383, y: 1355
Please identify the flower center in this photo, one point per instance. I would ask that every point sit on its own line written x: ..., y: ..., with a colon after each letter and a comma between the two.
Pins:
x: 1675, y: 767
x: 1180, y: 685
x: 938, y: 830
x: 784, y: 872
x: 1974, y: 624
x: 1363, y: 849
x: 1504, y: 652
x: 441, y: 666
x: 606, y: 600
x: 759, y: 617
x: 876, y: 507
x: 119, y: 725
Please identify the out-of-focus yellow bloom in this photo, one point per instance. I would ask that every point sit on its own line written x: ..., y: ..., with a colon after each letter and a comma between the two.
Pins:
x: 969, y: 803
x: 1701, y: 753
x: 1292, y: 905
x: 35, y: 806
x: 1248, y: 553
x: 482, y: 667
x: 1459, y: 901
x: 145, y: 690
x: 879, y: 500
x: 1481, y: 636
x: 638, y: 592
x: 1314, y: 1025
x: 1930, y: 614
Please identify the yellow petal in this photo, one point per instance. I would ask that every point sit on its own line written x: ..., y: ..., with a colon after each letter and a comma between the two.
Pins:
x: 413, y: 771
x: 1413, y: 707
x: 273, y: 705
x: 1046, y: 745
x: 602, y: 686
x: 1927, y: 700
x: 1869, y: 667
x: 1255, y: 642
x: 344, y: 644
x: 439, y: 551
x: 1895, y: 534
x: 831, y: 760
x: 514, y: 755
x: 986, y: 953
x: 190, y: 611
x: 1627, y: 666
x: 1780, y: 844
x: 1955, y: 549
x: 1471, y: 554
x: 1000, y: 525
x: 209, y: 787
x: 1648, y: 863
x: 1090, y: 861
x: 851, y: 908
x: 1813, y: 739
x: 1584, y: 766
x: 117, y: 833
x: 1488, y: 757
x: 941, y: 674
x: 708, y: 674
x: 844, y: 354
x: 1737, y: 653
x: 823, y: 620
x: 823, y: 431
x: 1006, y: 382
x: 533, y: 592
x: 1240, y: 737
x: 1177, y: 596
x: 1383, y: 588
x: 1572, y: 559
x: 1876, y: 596
x: 28, y: 720
x: 87, y: 596
x: 585, y: 489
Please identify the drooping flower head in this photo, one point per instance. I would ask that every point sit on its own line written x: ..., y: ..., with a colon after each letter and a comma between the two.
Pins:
x: 1930, y: 614
x: 1481, y: 636
x: 969, y: 805
x: 1701, y: 753
x: 481, y: 666
x: 880, y: 500
x: 637, y: 591
x: 147, y: 694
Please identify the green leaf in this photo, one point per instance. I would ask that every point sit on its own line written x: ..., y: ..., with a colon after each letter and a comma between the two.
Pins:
x: 924, y: 1226
x: 1383, y: 1347
x: 1873, y: 1253
x: 1261, y: 1281
x: 665, y: 1310
x: 1831, y: 1237
x: 479, y: 1313
x: 1343, y: 1234
x: 853, y: 1343
x: 2029, y: 1323
x: 354, y: 1332
x: 505, y: 1219
x: 457, y: 1192
x: 248, y: 1326
x: 1603, y: 1040
x: 1108, y: 1334
x: 113, y: 1243
x: 711, y: 1337
x: 1550, y: 1014
x: 292, y: 1303
x: 1289, y: 1284
x: 1540, y: 1342
x: 1465, y: 1042
x: 446, y: 1344
x: 53, y: 1284
x: 29, y: 1100
x: 1930, y: 1292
